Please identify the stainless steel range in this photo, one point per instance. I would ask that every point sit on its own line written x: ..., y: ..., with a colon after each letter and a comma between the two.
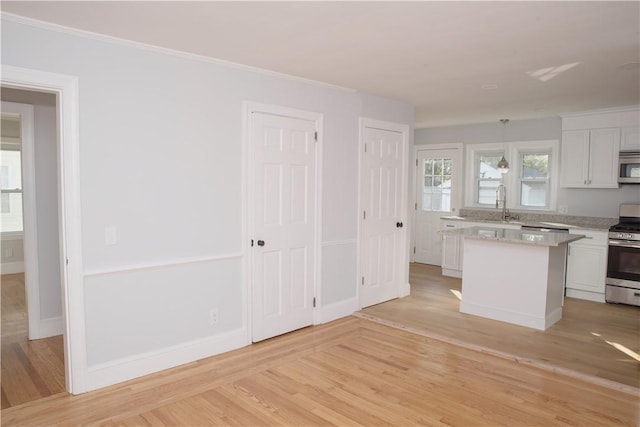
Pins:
x: 623, y: 266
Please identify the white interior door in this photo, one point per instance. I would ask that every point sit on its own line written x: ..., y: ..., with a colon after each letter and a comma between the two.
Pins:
x: 437, y: 195
x: 283, y: 152
x: 383, y: 235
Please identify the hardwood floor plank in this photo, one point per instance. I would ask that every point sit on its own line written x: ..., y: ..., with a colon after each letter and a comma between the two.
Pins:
x: 33, y: 374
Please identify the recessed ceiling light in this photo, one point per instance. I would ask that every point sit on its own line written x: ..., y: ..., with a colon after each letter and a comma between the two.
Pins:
x: 630, y: 66
x: 491, y: 86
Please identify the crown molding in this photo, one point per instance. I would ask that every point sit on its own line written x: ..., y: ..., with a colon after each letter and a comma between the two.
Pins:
x: 601, y: 111
x: 165, y: 51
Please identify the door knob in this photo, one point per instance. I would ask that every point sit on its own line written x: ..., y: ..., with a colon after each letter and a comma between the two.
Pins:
x: 399, y: 224
x: 260, y: 242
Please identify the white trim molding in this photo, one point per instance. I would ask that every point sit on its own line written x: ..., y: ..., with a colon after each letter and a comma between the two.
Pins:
x: 51, y: 326
x: 124, y: 369
x: 149, y: 266
x: 338, y: 310
x: 12, y: 267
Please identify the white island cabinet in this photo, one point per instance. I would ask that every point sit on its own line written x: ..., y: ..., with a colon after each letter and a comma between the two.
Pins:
x: 514, y: 276
x: 453, y: 246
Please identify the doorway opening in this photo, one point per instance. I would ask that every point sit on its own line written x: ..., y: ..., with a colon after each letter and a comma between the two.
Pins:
x: 33, y: 363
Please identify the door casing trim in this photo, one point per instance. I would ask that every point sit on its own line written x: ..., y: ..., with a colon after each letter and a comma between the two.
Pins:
x: 70, y: 233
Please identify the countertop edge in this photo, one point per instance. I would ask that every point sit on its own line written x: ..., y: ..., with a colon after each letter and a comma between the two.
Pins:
x: 549, y: 239
x: 588, y: 227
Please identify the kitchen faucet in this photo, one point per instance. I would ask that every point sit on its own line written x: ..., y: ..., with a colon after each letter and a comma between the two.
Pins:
x: 502, y: 190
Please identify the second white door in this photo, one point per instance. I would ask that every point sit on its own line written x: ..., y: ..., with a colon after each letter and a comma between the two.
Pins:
x: 283, y: 163
x: 383, y: 221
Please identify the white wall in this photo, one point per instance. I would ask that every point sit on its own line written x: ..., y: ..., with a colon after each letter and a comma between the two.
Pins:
x: 46, y: 154
x: 579, y: 201
x: 161, y: 161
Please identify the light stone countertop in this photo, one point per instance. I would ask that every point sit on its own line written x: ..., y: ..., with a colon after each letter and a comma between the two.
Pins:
x: 583, y: 225
x: 526, y: 237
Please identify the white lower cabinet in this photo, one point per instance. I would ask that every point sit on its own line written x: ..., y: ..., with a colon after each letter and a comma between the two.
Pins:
x: 451, y: 254
x: 587, y: 266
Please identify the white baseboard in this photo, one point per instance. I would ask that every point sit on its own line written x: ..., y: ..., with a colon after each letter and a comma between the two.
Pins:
x: 338, y: 310
x: 452, y: 273
x: 48, y: 328
x: 106, y: 374
x: 12, y: 267
x: 552, y: 317
x: 405, y: 291
x: 522, y: 319
x: 590, y: 296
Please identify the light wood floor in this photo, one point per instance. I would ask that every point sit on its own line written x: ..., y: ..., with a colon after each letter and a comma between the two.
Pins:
x: 31, y: 370
x: 590, y: 339
x: 348, y: 372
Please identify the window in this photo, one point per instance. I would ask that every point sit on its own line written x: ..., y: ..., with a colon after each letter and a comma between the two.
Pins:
x: 531, y: 183
x: 10, y: 177
x: 488, y: 177
x: 533, y: 179
x: 436, y: 188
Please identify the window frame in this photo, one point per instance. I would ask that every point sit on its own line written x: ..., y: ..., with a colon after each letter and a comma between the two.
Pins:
x: 520, y: 180
x: 13, y: 144
x: 476, y: 186
x: 513, y: 152
x: 433, y: 175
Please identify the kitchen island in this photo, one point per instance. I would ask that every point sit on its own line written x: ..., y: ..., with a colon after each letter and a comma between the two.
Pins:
x: 514, y: 276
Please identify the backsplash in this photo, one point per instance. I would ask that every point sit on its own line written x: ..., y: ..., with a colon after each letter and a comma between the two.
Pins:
x: 582, y: 221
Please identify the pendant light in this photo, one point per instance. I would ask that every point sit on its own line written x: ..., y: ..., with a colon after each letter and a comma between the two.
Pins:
x: 503, y: 165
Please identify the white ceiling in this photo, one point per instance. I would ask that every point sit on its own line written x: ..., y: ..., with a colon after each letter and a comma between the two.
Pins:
x: 540, y: 58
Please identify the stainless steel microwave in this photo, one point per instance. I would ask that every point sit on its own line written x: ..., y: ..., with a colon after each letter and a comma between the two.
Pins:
x: 629, y: 169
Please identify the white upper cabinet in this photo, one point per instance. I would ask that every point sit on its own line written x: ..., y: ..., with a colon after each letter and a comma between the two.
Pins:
x: 591, y: 145
x: 630, y: 139
x: 589, y: 158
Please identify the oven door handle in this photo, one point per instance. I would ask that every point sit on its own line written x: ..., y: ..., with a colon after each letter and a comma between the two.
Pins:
x: 624, y: 244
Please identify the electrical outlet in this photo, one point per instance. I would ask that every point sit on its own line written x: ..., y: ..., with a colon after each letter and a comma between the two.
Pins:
x: 213, y: 316
x: 563, y: 209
